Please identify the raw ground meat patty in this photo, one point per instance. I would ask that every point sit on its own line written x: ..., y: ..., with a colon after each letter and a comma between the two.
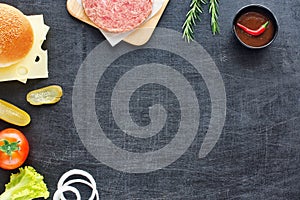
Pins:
x: 117, y: 15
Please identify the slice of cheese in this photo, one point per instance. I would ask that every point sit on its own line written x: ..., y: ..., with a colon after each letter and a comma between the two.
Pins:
x: 35, y: 64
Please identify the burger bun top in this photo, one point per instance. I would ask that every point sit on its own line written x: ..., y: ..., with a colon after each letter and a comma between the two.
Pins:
x: 16, y: 35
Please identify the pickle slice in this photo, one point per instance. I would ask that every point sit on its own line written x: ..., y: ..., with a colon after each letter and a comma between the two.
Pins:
x: 13, y: 114
x: 46, y: 95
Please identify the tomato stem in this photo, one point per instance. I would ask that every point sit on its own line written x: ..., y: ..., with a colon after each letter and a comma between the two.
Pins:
x: 9, y: 148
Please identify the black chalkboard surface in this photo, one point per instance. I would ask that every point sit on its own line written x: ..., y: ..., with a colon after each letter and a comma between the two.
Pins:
x: 209, y: 119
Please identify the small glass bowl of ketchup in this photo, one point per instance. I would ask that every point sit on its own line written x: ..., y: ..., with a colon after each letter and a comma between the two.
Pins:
x: 255, y: 26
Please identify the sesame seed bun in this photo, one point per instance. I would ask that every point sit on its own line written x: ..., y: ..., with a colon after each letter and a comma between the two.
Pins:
x: 16, y: 35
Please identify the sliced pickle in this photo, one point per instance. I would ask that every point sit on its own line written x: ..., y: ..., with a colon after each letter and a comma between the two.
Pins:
x: 46, y: 95
x: 13, y: 114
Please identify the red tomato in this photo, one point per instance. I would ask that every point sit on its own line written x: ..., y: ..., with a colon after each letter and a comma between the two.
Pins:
x: 14, y: 148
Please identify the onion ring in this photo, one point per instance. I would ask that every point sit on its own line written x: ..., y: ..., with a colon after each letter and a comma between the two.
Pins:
x: 63, y: 186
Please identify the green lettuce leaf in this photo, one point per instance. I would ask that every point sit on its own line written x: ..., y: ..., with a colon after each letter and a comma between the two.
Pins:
x: 26, y: 185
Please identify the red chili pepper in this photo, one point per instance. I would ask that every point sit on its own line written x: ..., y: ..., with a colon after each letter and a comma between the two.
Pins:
x: 256, y: 32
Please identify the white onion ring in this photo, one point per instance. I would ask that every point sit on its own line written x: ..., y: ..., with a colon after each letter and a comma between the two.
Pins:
x: 59, y: 192
x: 63, y: 186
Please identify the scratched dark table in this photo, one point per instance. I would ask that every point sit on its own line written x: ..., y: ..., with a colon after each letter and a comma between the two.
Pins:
x: 258, y: 153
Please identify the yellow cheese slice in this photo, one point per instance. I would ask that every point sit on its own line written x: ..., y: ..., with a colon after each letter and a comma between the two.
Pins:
x: 35, y: 64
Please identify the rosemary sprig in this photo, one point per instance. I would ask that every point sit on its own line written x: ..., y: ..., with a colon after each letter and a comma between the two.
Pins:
x: 214, y: 11
x: 193, y: 15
